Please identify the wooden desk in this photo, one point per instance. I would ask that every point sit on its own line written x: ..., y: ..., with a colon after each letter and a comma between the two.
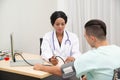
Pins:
x: 24, y: 70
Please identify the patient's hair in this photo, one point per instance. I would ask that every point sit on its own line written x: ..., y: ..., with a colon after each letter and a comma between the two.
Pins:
x: 96, y: 28
x: 58, y: 14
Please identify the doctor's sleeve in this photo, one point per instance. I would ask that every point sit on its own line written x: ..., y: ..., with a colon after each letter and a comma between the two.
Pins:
x: 46, y: 49
x: 75, y: 52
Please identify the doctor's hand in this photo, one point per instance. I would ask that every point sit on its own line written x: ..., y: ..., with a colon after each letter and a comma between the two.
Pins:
x: 69, y: 59
x: 53, y: 60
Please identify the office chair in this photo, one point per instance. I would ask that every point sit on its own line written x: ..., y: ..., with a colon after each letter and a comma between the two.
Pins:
x: 116, y: 75
x: 41, y: 39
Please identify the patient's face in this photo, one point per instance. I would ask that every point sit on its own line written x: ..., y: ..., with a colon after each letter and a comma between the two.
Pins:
x: 90, y: 39
x: 86, y: 37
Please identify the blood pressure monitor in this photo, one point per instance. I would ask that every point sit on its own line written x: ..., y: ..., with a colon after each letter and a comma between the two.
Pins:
x: 68, y: 70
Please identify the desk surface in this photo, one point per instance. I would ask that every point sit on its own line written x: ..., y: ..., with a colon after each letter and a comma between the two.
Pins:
x: 24, y: 70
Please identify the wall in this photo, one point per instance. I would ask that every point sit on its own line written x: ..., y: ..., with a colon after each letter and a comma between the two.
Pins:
x: 28, y: 20
x: 80, y: 11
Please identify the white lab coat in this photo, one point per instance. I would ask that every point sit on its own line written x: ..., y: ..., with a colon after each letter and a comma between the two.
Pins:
x: 69, y: 49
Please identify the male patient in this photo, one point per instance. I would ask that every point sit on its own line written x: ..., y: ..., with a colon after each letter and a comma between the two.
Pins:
x: 98, y: 63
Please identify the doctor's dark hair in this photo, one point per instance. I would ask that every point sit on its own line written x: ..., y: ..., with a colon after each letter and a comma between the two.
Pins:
x: 58, y: 14
x: 96, y: 28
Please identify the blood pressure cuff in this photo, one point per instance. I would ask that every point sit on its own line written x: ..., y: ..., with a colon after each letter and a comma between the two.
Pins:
x: 68, y: 70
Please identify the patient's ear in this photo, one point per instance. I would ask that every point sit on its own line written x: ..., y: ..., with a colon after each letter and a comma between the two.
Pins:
x: 93, y: 38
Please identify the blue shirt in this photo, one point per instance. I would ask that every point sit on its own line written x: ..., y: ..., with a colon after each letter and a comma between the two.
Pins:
x: 98, y: 64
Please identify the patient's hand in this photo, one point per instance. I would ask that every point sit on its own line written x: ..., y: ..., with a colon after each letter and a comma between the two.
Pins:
x: 37, y: 67
x: 69, y: 59
x: 84, y: 77
x: 53, y: 60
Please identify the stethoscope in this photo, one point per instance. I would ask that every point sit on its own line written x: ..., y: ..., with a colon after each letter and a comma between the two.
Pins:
x: 66, y: 41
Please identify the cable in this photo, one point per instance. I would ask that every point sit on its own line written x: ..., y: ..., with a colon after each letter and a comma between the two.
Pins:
x: 32, y: 64
x: 23, y: 59
x: 60, y: 58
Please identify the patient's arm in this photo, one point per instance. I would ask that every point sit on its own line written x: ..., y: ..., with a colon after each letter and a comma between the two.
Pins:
x: 66, y: 70
x: 51, y: 69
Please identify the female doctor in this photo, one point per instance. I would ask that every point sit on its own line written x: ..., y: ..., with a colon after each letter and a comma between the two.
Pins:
x: 60, y: 42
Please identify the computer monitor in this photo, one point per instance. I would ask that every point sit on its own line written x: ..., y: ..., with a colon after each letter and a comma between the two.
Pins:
x: 12, y: 47
x: 23, y: 62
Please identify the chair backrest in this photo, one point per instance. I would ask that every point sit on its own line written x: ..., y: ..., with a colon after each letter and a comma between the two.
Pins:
x: 116, y: 75
x: 41, y: 39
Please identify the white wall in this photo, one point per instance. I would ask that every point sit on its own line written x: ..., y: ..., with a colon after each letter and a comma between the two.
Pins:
x: 80, y: 11
x: 28, y: 19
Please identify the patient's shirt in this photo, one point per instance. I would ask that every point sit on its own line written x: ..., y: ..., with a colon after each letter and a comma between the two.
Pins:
x: 98, y: 64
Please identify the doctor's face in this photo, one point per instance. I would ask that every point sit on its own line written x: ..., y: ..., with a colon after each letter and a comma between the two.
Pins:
x: 59, y: 25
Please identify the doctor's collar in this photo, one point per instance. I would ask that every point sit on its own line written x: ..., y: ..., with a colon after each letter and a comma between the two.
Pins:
x: 54, y: 32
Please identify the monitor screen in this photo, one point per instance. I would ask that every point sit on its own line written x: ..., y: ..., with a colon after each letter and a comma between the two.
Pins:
x: 12, y: 47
